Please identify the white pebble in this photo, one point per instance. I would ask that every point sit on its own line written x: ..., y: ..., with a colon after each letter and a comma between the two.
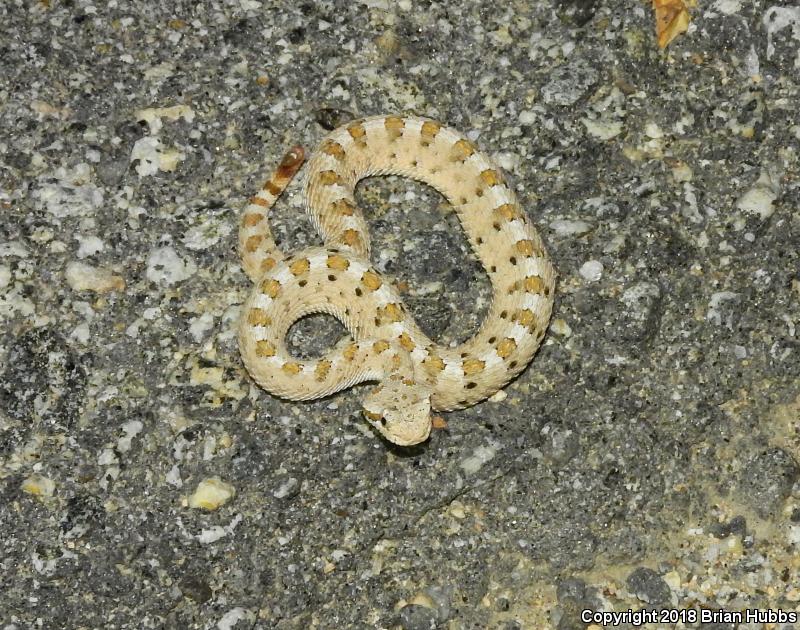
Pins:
x: 480, y: 455
x: 83, y: 277
x: 602, y: 129
x: 499, y: 396
x: 200, y: 326
x: 591, y: 270
x: 652, y: 130
x: 759, y: 198
x: 561, y: 328
x: 89, y: 245
x: 231, y: 618
x: 165, y: 266
x: 566, y: 227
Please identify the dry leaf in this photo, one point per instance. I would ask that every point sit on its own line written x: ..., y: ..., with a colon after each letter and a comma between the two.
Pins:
x: 672, y: 19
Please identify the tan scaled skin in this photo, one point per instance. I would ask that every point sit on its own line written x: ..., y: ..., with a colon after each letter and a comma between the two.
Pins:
x: 414, y: 374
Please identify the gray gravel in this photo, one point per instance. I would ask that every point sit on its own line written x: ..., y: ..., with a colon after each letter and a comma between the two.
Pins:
x: 648, y: 457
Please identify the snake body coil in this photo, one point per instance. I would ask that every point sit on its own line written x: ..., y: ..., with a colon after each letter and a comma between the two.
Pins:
x: 414, y: 374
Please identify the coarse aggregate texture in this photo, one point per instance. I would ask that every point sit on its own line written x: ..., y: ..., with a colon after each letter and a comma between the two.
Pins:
x: 647, y: 457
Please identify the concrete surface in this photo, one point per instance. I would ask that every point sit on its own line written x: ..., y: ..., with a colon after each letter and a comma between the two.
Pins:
x: 647, y: 459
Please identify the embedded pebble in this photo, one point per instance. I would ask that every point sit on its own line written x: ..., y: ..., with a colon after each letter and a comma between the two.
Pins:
x: 89, y: 245
x: 200, y: 326
x: 499, y: 396
x: 288, y: 488
x: 760, y: 197
x: 591, y: 270
x: 211, y: 494
x: 5, y: 276
x: 131, y: 430
x: 602, y: 129
x: 564, y: 227
x: 83, y: 277
x: 569, y: 82
x: 69, y: 192
x: 766, y: 480
x: 230, y: 619
x: 560, y: 327
x: 640, y: 298
x: 480, y: 456
x: 721, y: 308
x: 648, y: 586
x: 39, y: 486
x: 416, y: 617
x: 776, y: 19
x: 165, y: 266
x: 152, y: 156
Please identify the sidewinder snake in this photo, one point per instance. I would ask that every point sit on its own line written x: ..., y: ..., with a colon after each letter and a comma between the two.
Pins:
x: 414, y: 375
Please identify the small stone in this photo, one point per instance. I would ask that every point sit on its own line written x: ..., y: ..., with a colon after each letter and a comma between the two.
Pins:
x: 652, y: 130
x: 592, y: 270
x: 457, y: 510
x: 83, y: 277
x: 572, y: 601
x: 722, y: 308
x: 231, y: 619
x: 564, y: 227
x: 5, y: 276
x: 602, y: 129
x: 131, y: 430
x: 759, y: 198
x: 152, y: 156
x: 728, y: 7
x: 89, y: 245
x: 499, y: 396
x: 153, y: 115
x: 287, y: 488
x: 387, y: 41
x: 39, y: 486
x: 480, y: 456
x: 736, y: 526
x: 648, y: 586
x: 640, y: 319
x: 559, y: 446
x: 427, y: 609
x: 200, y: 326
x: 571, y: 589
x: 561, y: 328
x: 165, y: 266
x: 70, y: 192
x: 211, y: 493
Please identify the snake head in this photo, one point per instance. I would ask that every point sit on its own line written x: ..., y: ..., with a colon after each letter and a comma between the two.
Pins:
x: 400, y: 410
